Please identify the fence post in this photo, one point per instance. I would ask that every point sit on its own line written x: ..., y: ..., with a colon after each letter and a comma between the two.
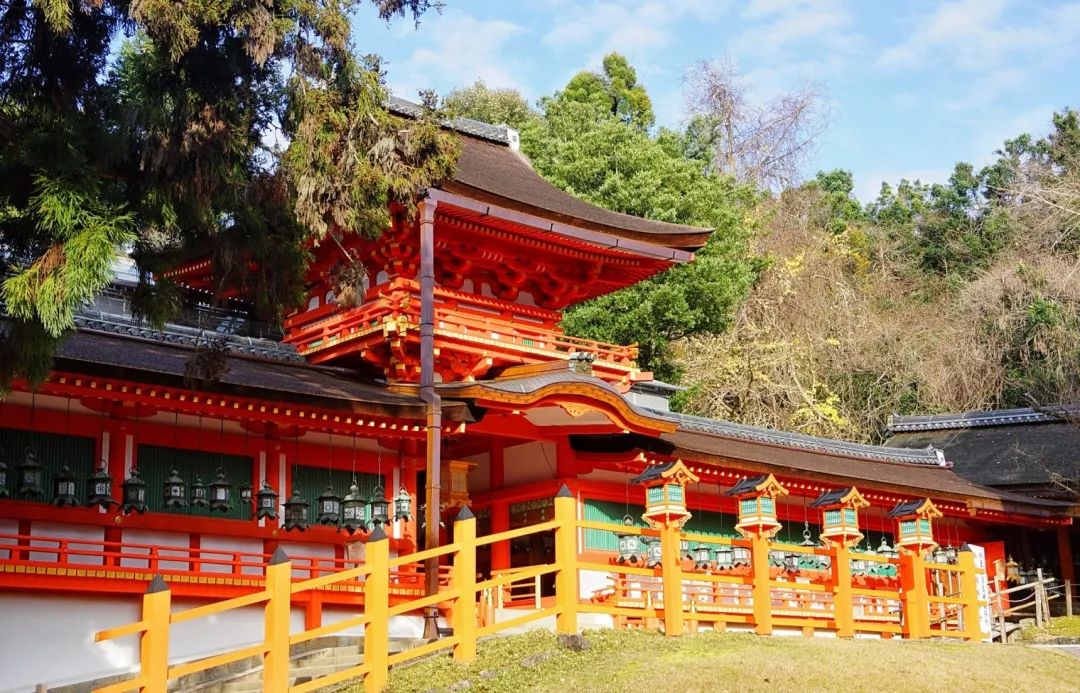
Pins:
x: 1068, y: 598
x: 276, y: 622
x: 566, y: 580
x: 377, y: 608
x: 1001, y: 617
x: 154, y: 643
x: 843, y: 600
x: 762, y: 591
x: 915, y: 597
x: 464, y: 618
x: 1041, y: 612
x: 969, y: 592
x: 671, y: 574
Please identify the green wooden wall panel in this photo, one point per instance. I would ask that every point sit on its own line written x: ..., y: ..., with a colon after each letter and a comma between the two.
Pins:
x: 312, y: 481
x: 53, y: 452
x: 154, y: 464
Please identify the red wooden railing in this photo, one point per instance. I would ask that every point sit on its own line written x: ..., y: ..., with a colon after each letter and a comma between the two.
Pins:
x: 456, y: 314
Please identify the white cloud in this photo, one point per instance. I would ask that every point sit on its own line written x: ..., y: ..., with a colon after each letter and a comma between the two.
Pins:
x: 625, y: 25
x: 784, y: 23
x: 459, y: 49
x: 976, y: 35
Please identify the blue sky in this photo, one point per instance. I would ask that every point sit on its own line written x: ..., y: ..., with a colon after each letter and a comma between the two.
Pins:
x: 913, y: 86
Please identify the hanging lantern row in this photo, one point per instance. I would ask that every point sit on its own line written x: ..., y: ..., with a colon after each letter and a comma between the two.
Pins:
x: 353, y: 512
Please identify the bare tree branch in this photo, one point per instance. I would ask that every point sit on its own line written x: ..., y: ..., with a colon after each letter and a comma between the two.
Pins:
x: 767, y: 144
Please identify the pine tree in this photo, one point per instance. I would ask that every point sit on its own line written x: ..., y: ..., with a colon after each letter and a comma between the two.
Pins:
x: 157, y: 150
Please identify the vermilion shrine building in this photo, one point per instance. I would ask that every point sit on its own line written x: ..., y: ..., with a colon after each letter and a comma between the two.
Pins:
x: 335, y: 402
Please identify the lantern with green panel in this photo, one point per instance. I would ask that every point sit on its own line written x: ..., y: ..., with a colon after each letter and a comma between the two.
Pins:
x: 914, y: 525
x: 757, y: 505
x: 629, y: 544
x: 840, y: 516
x: 665, y: 493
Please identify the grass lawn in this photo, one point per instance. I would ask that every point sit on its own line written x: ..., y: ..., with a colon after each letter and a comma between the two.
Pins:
x: 1061, y: 626
x: 645, y: 662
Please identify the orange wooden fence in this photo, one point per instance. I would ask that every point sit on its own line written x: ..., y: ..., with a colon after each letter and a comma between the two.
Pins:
x: 930, y: 600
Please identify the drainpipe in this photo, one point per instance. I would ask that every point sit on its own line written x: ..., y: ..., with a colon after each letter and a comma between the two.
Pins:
x: 429, y: 396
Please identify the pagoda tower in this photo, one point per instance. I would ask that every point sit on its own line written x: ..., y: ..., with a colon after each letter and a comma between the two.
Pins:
x: 511, y: 252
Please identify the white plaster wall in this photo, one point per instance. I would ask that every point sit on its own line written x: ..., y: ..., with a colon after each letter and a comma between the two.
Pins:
x: 149, y: 538
x: 405, y: 626
x: 296, y: 549
x: 230, y: 545
x: 591, y: 580
x: 7, y: 527
x: 94, y: 535
x: 529, y: 462
x: 54, y: 643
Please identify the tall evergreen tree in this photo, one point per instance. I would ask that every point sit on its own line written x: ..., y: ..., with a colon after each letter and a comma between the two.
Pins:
x: 157, y: 150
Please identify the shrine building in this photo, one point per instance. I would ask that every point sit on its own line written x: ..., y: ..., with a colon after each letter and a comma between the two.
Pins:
x: 197, y: 451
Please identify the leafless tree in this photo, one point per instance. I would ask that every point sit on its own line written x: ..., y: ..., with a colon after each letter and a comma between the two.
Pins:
x: 767, y: 144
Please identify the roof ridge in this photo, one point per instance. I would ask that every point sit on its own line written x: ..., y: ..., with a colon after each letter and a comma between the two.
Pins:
x: 980, y: 418
x: 500, y: 134
x: 926, y: 457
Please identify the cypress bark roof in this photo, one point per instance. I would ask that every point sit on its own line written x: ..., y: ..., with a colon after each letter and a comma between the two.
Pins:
x: 489, y: 169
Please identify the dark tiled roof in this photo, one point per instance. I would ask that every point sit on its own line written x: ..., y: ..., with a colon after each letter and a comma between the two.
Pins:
x: 830, y: 497
x: 898, y: 475
x: 697, y: 424
x: 158, y: 360
x: 906, y: 508
x: 651, y: 472
x: 746, y: 485
x: 500, y: 134
x: 1012, y: 454
x: 190, y: 337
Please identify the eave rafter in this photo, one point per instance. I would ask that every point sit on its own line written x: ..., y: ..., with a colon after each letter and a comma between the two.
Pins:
x: 145, y: 398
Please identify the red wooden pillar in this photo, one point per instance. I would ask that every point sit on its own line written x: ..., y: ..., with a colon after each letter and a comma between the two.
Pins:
x: 497, y: 467
x: 1065, y: 555
x: 116, y: 454
x: 500, y: 522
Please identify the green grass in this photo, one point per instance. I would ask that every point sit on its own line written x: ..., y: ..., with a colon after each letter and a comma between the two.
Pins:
x: 645, y: 662
x: 1058, y: 627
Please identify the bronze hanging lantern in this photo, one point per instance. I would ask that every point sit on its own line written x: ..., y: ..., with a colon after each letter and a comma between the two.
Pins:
x: 629, y: 544
x: 702, y: 556
x: 354, y: 510
x: 725, y: 557
x: 296, y: 512
x: 246, y: 494
x: 220, y: 493
x: 31, y: 475
x: 328, y: 507
x: 134, y: 493
x: 174, y: 490
x: 99, y: 488
x: 654, y: 554
x: 200, y: 494
x: 268, y: 503
x: 403, y: 505
x: 64, y: 488
x: 378, y: 507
